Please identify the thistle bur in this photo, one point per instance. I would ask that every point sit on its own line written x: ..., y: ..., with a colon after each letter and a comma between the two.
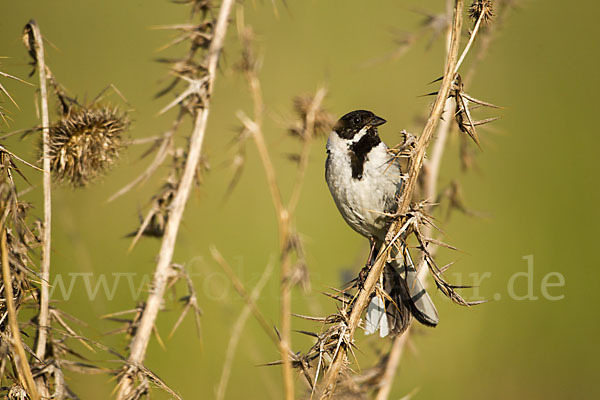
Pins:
x: 85, y: 143
x: 323, y: 120
x: 483, y: 9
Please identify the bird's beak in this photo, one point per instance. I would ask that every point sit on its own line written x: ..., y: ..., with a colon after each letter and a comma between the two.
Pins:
x: 376, y: 121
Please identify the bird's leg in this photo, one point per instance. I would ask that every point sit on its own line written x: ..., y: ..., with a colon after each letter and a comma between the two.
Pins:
x: 371, y: 252
x: 362, y: 275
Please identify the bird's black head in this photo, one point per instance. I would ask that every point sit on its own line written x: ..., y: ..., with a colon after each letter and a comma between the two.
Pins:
x: 351, y: 123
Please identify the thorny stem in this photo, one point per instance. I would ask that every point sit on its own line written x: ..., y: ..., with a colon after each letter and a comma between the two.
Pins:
x: 404, y: 201
x: 431, y: 181
x: 47, y: 183
x: 26, y: 378
x: 163, y: 270
x: 431, y: 191
x: 436, y: 112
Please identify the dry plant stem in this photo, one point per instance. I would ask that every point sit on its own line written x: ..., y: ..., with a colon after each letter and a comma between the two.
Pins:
x: 238, y: 327
x: 303, y: 164
x: 47, y: 183
x: 283, y: 213
x: 239, y: 287
x: 437, y: 152
x: 263, y: 152
x: 286, y: 327
x: 392, y: 365
x: 25, y: 376
x: 430, y: 194
x: 431, y: 181
x: 286, y: 294
x: 284, y: 232
x: 486, y: 41
x: 400, y: 341
x: 163, y: 271
x: 469, y: 43
x: 436, y: 112
x: 404, y: 201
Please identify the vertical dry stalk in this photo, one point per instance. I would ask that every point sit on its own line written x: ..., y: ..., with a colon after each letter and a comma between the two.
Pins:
x: 284, y: 212
x: 255, y: 127
x: 404, y: 202
x: 431, y: 182
x: 163, y: 270
x: 436, y: 112
x: 286, y: 316
x: 43, y: 325
x: 392, y: 365
x: 433, y: 169
x: 20, y: 357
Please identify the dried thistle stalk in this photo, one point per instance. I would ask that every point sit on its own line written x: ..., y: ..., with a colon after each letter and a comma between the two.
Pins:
x: 196, y: 100
x: 363, y: 298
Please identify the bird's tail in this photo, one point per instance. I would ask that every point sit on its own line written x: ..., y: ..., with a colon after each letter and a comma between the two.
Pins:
x: 403, y: 296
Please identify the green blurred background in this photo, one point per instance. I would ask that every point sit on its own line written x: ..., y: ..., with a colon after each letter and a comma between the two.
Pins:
x: 536, y: 182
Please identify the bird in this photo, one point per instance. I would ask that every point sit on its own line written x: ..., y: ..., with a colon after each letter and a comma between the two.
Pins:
x: 365, y: 181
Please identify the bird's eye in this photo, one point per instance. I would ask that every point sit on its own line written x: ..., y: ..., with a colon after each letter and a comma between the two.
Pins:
x: 357, y: 120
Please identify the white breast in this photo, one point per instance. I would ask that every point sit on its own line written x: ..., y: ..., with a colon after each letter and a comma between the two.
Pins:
x: 362, y: 202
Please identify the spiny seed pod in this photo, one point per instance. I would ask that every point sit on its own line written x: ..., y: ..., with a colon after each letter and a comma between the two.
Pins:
x: 483, y: 9
x: 85, y: 143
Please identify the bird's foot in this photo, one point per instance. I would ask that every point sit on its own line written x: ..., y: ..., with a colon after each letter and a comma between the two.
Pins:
x: 362, y: 276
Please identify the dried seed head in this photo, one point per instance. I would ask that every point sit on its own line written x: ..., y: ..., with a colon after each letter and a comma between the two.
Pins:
x: 483, y: 9
x: 249, y: 62
x: 323, y: 122
x: 85, y: 143
x: 198, y: 6
x: 17, y: 392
